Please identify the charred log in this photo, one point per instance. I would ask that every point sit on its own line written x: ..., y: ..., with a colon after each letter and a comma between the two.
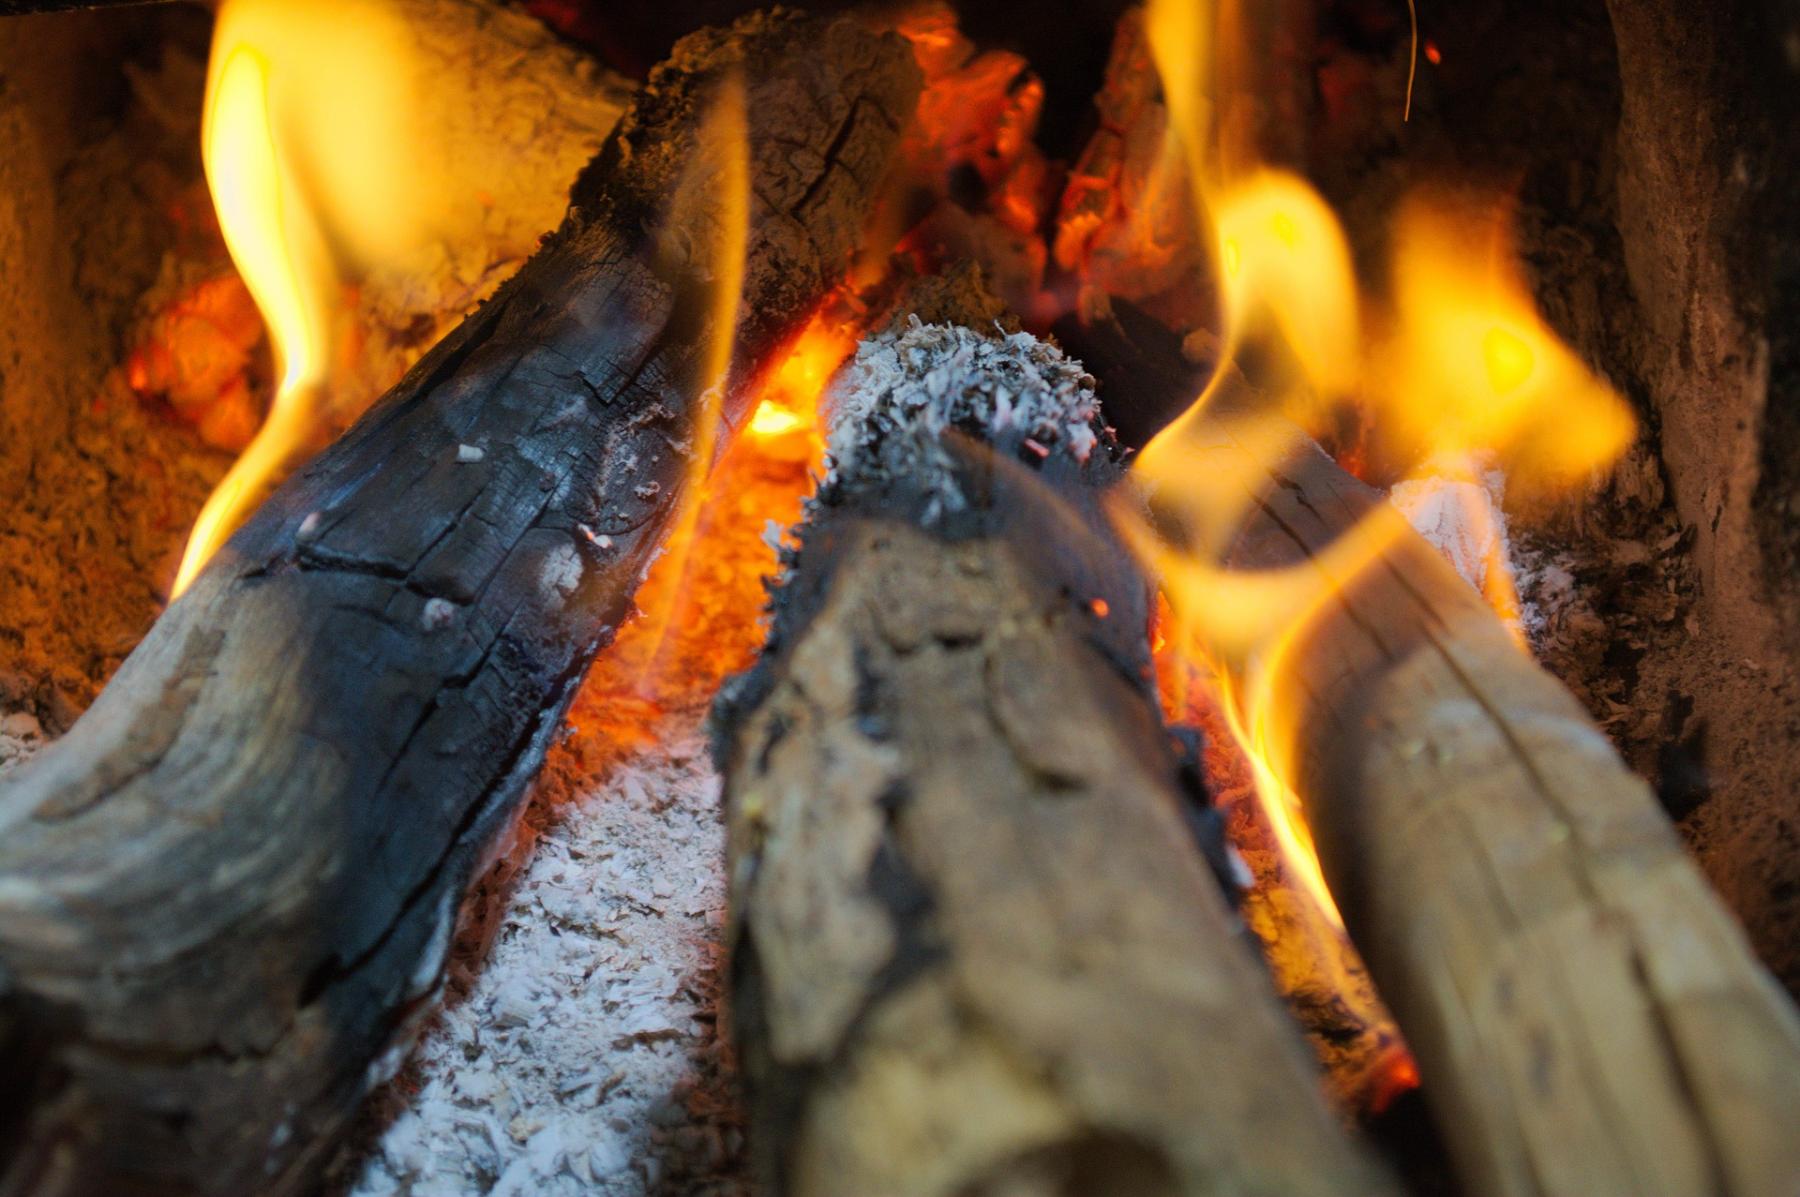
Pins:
x: 19, y: 8
x: 227, y: 891
x: 1586, y: 1016
x: 975, y: 949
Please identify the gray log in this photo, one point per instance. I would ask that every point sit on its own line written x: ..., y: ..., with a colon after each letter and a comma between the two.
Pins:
x: 976, y: 949
x: 226, y: 893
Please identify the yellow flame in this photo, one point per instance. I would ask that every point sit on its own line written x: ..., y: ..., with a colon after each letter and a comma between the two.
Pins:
x: 724, y: 146
x: 773, y: 419
x: 1283, y: 259
x: 708, y: 225
x: 1180, y: 33
x: 1468, y: 369
x: 317, y: 172
x: 269, y: 237
x: 790, y: 397
x: 1473, y: 367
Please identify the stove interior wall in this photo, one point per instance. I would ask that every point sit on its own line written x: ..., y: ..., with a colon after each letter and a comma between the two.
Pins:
x: 1708, y: 172
x: 99, y: 117
x: 1650, y: 145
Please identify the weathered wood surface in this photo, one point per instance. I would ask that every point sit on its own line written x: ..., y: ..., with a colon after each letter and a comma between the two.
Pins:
x: 228, y: 889
x: 1586, y: 1016
x: 976, y: 950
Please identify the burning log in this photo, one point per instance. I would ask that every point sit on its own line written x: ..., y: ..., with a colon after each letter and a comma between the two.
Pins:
x: 975, y: 949
x: 226, y: 893
x: 1586, y: 1016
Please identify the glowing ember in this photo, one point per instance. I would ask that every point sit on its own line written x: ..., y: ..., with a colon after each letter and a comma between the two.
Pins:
x: 786, y: 417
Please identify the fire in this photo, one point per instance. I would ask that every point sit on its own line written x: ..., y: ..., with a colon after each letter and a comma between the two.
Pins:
x: 1474, y: 368
x: 1283, y: 261
x: 319, y: 171
x: 270, y: 239
x: 710, y: 224
x: 1463, y: 374
x: 701, y: 607
x: 788, y: 407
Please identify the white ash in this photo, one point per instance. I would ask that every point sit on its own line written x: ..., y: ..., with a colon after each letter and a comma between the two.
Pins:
x: 579, y: 1057
x: 1464, y: 520
x: 1556, y: 611
x: 906, y: 387
x: 21, y: 735
x: 437, y: 614
x: 561, y: 572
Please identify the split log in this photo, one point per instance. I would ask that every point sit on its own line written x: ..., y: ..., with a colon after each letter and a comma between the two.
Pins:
x: 974, y: 948
x: 228, y: 889
x: 1586, y: 1016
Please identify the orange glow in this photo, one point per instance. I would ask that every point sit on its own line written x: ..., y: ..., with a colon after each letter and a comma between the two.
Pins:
x: 704, y: 607
x: 710, y: 218
x: 789, y: 400
x: 314, y: 170
x: 773, y: 420
x: 701, y: 603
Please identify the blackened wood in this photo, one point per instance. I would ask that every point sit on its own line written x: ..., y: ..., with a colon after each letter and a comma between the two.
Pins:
x: 974, y: 948
x: 1148, y: 380
x: 20, y: 8
x: 1586, y: 1016
x: 225, y: 894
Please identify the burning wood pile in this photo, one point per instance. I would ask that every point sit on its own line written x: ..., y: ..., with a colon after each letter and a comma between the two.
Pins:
x: 1093, y: 641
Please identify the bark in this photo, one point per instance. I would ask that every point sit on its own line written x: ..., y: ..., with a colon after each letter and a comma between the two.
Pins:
x: 975, y: 948
x: 1586, y: 1016
x: 227, y: 892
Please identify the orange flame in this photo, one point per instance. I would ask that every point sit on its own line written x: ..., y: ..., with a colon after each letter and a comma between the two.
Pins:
x: 320, y: 169
x: 786, y: 417
x: 710, y: 218
x: 273, y: 243
x: 1468, y: 369
x: 1474, y: 367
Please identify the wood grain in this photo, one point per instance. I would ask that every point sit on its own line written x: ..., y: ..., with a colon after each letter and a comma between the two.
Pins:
x: 226, y: 894
x: 977, y: 949
x: 1586, y: 1016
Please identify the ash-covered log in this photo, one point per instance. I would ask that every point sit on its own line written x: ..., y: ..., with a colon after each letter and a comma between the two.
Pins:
x: 976, y: 950
x: 226, y: 893
x: 1586, y: 1016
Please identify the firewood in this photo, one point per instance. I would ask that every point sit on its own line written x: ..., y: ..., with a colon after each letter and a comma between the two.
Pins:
x: 227, y: 891
x: 975, y: 948
x: 1586, y: 1016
